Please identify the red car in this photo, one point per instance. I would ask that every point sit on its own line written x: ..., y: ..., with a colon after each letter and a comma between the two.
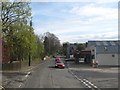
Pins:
x: 59, y: 64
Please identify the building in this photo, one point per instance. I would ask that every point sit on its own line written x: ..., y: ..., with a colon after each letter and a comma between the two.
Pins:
x: 5, y: 53
x: 105, y: 52
x: 70, y: 49
x: 86, y: 56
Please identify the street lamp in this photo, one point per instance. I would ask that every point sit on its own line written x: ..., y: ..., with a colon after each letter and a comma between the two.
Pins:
x: 30, y: 43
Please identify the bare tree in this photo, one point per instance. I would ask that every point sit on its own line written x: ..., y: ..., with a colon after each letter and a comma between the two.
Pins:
x: 51, y: 43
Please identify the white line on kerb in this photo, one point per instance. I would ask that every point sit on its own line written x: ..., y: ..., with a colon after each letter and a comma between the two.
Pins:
x: 2, y: 88
x: 25, y: 77
x: 27, y: 74
x: 19, y: 85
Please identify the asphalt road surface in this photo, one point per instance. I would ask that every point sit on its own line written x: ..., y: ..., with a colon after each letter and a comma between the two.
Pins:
x: 102, y: 77
x: 46, y: 76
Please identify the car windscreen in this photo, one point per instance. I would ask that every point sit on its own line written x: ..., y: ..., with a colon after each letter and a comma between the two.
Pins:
x: 59, y: 62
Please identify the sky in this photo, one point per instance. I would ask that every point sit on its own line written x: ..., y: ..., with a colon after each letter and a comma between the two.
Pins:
x: 78, y: 21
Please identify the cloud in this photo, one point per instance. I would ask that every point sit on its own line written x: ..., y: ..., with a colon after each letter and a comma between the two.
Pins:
x: 78, y: 31
x: 77, y: 26
x: 99, y: 1
x: 107, y: 1
x: 95, y: 13
x: 86, y: 37
x: 78, y: 23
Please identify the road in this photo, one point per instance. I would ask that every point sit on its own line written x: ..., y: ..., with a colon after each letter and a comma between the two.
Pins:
x: 102, y: 77
x: 46, y: 76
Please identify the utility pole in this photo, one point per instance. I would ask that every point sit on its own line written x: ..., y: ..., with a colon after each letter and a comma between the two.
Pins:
x: 1, y: 37
x: 30, y: 43
x: 49, y: 46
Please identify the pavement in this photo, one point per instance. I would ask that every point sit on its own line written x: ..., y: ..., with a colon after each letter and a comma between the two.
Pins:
x: 13, y: 78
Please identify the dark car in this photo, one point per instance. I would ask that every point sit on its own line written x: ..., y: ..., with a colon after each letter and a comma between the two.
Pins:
x: 59, y: 64
x: 57, y: 59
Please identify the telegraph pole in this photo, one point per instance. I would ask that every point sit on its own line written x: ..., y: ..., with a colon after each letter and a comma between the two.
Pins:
x: 49, y: 46
x: 30, y: 43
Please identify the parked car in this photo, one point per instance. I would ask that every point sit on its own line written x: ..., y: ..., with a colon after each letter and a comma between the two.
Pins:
x: 59, y: 64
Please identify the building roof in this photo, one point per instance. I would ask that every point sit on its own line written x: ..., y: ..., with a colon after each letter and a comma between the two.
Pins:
x: 105, y: 46
x: 107, y: 49
x: 103, y: 43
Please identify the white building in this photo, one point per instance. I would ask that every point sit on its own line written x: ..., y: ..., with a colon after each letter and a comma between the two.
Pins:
x: 105, y: 52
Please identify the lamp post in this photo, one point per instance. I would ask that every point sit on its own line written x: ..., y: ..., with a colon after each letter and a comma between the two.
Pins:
x: 49, y: 46
x: 30, y: 43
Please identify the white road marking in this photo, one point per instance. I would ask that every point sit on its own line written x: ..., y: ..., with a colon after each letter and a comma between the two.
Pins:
x: 90, y: 83
x: 85, y: 81
x: 82, y: 81
x: 86, y: 84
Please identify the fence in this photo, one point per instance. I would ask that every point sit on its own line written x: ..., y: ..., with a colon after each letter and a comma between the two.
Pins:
x: 16, y: 65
